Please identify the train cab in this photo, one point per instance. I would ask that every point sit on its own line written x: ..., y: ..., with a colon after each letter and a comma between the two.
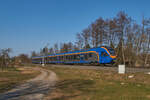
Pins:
x: 107, y: 55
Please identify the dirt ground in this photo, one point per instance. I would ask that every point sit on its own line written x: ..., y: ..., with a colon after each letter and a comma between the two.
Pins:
x: 34, y: 89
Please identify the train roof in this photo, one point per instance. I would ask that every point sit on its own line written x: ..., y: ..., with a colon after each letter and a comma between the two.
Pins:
x: 83, y: 50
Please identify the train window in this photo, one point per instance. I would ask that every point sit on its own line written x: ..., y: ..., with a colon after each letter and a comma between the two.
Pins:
x: 85, y: 56
x: 58, y: 58
x: 46, y: 59
x: 74, y: 57
x: 81, y: 55
x: 71, y: 57
x: 78, y: 57
x: 104, y: 54
x: 55, y: 58
x: 90, y: 54
x: 67, y: 57
x: 111, y: 51
x: 50, y: 58
x: 62, y: 57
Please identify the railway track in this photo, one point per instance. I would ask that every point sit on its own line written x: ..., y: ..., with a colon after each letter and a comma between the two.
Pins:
x: 114, y: 68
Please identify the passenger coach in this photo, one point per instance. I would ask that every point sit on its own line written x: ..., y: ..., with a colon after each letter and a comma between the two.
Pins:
x: 100, y: 55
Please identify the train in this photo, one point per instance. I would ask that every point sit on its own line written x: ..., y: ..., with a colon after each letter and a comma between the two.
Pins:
x: 99, y: 55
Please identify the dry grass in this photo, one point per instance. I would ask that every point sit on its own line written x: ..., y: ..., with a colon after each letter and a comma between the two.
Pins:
x: 90, y: 84
x: 14, y: 76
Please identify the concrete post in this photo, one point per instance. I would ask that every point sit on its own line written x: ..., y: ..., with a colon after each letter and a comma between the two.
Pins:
x: 43, y: 62
x: 121, y: 69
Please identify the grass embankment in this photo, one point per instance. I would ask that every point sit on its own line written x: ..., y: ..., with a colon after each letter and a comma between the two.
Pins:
x: 88, y: 84
x: 12, y: 76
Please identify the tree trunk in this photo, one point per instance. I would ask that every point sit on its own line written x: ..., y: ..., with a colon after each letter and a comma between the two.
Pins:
x: 123, y: 53
x: 146, y: 58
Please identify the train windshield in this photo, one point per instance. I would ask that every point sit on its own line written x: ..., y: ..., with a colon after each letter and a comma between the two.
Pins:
x: 111, y: 51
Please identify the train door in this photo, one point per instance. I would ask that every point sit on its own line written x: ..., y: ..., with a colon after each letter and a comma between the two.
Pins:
x: 103, y: 57
x: 81, y: 58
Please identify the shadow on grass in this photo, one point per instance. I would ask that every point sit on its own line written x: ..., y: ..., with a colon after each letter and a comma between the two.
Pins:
x: 8, y: 69
x: 73, y: 88
x: 5, y: 86
x: 30, y: 88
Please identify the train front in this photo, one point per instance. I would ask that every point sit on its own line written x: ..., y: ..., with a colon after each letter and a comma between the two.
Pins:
x: 108, y: 56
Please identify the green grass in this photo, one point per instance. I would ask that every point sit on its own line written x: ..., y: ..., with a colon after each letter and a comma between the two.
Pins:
x: 8, y: 69
x: 12, y: 76
x: 84, y: 84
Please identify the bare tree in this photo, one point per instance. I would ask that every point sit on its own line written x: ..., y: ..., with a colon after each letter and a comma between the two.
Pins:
x: 122, y: 21
x: 51, y: 51
x: 44, y: 51
x: 146, y: 40
x: 33, y: 54
x: 86, y: 37
x: 112, y: 29
x: 98, y: 32
x: 56, y: 49
x: 64, y: 48
x: 23, y: 58
x: 79, y: 41
x: 4, y: 57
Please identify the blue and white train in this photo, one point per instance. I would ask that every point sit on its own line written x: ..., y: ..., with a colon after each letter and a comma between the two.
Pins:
x: 99, y: 55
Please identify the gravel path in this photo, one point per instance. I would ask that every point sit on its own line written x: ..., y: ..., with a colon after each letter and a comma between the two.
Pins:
x: 34, y: 89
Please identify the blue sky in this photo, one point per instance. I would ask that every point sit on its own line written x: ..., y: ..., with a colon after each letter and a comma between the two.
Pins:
x: 27, y: 25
